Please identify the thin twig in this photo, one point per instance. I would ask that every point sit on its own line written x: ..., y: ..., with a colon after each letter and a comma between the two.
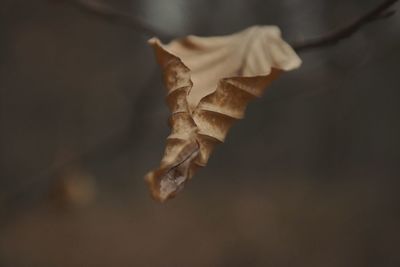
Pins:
x: 377, y: 13
x: 99, y: 8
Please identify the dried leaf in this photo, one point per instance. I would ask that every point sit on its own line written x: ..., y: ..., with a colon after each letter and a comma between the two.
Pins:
x: 209, y: 82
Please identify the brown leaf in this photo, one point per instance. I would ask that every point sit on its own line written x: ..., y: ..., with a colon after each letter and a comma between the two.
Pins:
x: 209, y: 82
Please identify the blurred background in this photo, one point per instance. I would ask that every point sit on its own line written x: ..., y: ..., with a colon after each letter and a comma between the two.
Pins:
x: 308, y: 178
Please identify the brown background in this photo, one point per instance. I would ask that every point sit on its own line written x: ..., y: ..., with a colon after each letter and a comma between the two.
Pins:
x: 309, y: 178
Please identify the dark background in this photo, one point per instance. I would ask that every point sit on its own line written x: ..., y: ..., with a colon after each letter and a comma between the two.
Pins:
x: 308, y: 178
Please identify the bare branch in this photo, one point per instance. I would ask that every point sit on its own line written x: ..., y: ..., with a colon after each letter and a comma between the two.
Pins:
x: 377, y: 13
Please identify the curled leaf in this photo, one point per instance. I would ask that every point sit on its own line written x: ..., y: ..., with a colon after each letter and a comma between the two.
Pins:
x: 209, y: 82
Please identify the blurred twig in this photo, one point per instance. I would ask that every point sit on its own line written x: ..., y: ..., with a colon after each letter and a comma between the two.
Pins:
x: 377, y: 13
x: 99, y: 8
